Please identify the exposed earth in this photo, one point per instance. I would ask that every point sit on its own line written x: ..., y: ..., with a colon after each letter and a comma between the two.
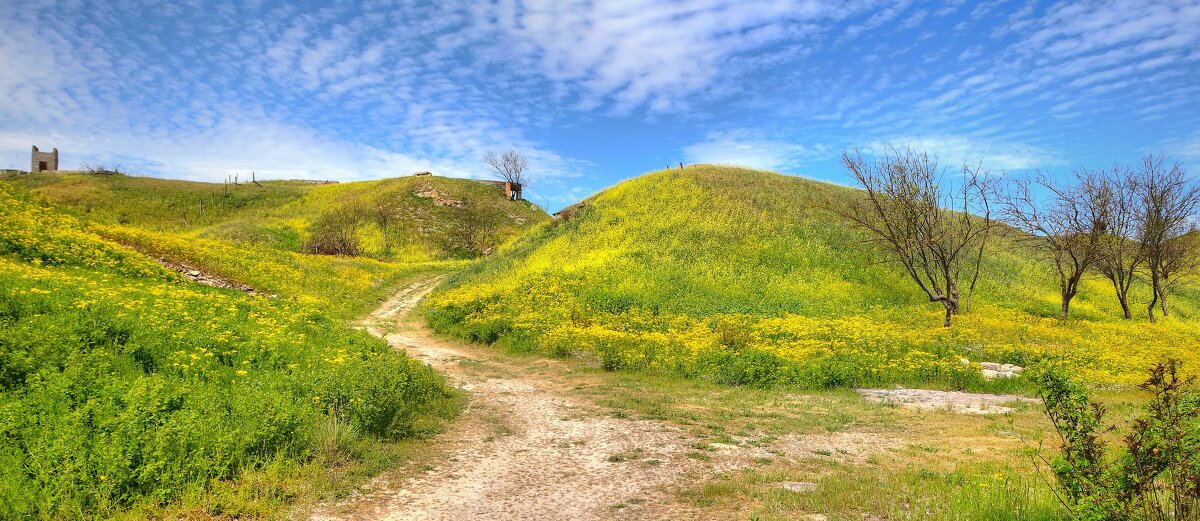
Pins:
x: 968, y: 403
x: 525, y: 448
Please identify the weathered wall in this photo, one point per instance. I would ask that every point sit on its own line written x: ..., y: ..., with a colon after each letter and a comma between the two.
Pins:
x: 51, y: 159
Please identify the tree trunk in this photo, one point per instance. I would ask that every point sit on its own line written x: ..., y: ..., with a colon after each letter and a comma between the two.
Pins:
x: 1162, y: 302
x: 1122, y: 295
x: 951, y: 305
x: 1068, y: 290
x: 1154, y: 291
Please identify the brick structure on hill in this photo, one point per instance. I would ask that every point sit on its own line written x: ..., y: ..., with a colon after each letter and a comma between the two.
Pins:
x: 512, y: 191
x: 43, y: 161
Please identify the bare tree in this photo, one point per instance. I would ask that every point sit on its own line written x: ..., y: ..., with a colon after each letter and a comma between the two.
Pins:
x: 1068, y: 225
x: 1181, y: 259
x: 384, y: 212
x: 1122, y: 251
x: 924, y: 224
x: 102, y: 169
x: 473, y: 233
x: 1170, y: 201
x: 509, y: 166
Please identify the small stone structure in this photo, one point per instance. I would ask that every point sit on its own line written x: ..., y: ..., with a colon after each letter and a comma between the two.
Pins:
x: 512, y: 191
x: 43, y: 161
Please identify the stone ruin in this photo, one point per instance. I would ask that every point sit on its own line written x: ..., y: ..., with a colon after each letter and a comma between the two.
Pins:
x: 43, y: 161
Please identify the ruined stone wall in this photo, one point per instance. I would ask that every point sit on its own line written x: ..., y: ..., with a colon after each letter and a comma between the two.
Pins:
x: 50, y: 158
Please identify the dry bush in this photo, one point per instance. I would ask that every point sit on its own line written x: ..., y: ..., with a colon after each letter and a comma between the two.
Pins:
x: 335, y: 233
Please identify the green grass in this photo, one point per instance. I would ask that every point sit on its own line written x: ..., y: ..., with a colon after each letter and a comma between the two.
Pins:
x: 125, y: 388
x: 746, y: 277
x: 968, y: 492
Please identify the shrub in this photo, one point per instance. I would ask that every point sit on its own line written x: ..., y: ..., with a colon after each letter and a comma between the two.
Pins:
x: 1155, y: 475
x: 335, y: 233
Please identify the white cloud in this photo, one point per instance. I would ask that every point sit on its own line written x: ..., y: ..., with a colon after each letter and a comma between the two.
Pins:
x: 750, y: 149
x: 644, y: 53
x: 1187, y: 150
x: 351, y: 91
x: 953, y: 151
x: 275, y: 100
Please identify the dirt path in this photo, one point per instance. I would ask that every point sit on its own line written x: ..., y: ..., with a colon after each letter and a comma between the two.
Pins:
x: 526, y: 448
x: 523, y: 450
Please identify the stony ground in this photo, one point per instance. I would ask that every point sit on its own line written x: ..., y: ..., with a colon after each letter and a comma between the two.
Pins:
x: 955, y: 401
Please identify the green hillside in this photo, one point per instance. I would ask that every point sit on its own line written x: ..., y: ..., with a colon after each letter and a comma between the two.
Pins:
x: 124, y: 386
x: 429, y: 218
x: 745, y: 277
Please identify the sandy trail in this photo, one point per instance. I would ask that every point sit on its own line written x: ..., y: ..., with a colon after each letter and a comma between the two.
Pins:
x: 523, y: 450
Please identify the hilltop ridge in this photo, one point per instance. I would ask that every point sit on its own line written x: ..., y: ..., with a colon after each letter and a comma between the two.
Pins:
x: 424, y: 224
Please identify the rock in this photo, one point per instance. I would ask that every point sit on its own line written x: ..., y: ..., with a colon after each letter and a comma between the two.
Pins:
x: 438, y: 198
x: 992, y: 375
x: 800, y: 486
x: 194, y: 273
x: 993, y: 370
x: 960, y: 402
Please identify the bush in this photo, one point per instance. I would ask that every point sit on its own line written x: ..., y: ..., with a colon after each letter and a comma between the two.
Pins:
x: 335, y: 233
x: 1155, y: 475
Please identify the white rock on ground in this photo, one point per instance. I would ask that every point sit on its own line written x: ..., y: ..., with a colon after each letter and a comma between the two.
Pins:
x: 993, y: 370
x: 955, y: 401
x: 800, y: 486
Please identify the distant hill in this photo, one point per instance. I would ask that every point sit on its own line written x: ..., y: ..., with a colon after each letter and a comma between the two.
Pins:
x: 744, y: 276
x: 432, y: 217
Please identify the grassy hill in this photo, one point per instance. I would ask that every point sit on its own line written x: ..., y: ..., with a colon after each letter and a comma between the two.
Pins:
x: 126, y: 388
x: 427, y: 213
x: 744, y: 277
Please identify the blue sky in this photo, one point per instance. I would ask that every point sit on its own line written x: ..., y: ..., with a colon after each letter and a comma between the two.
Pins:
x: 594, y: 92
